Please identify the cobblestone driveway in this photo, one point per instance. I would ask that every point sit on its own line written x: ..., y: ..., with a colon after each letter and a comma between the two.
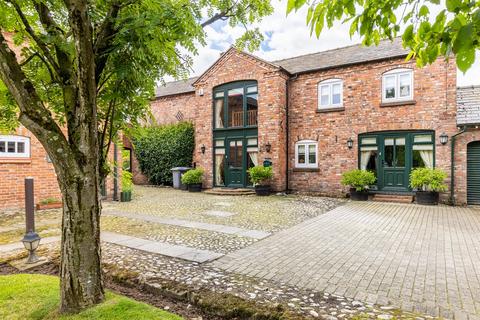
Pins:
x: 418, y: 258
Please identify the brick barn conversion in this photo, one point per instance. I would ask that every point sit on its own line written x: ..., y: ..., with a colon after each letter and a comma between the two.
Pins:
x: 313, y: 116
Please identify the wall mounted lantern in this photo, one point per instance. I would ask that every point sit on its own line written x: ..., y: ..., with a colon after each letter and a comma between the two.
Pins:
x: 350, y: 143
x: 203, y: 148
x: 443, y: 138
x: 268, y: 147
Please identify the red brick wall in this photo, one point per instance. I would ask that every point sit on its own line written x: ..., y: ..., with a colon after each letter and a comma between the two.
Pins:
x: 461, y: 163
x: 435, y: 109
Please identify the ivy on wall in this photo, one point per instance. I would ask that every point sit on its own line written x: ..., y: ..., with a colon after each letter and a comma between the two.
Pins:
x: 161, y: 148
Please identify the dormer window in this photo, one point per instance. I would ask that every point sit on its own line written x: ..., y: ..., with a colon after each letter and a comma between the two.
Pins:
x: 330, y: 93
x: 397, y: 85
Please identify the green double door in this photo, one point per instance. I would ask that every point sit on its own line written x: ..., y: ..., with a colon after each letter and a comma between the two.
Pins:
x: 394, y: 165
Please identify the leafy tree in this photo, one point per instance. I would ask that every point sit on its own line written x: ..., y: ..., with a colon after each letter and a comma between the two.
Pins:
x: 454, y: 30
x: 87, y: 69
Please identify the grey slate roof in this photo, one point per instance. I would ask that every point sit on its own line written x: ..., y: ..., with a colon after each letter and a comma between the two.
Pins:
x: 315, y: 61
x: 468, y: 105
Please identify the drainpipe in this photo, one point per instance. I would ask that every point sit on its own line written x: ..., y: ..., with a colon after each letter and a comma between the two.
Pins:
x: 452, y: 166
x: 287, y: 133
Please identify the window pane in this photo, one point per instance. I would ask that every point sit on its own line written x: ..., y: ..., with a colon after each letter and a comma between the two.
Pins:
x: 219, y: 94
x: 20, y: 147
x: 252, y: 109
x: 2, y: 146
x: 390, y: 87
x: 301, y: 154
x: 252, y: 89
x: 252, y: 161
x: 11, y: 147
x: 337, y: 93
x: 312, y: 156
x: 422, y: 158
x: 405, y: 85
x: 252, y: 141
x: 219, y: 167
x: 368, y: 159
x: 235, y: 107
x: 369, y: 140
x: 219, y: 116
x: 400, y: 156
x: 219, y: 143
x: 388, y: 153
x: 325, y: 95
x: 422, y: 138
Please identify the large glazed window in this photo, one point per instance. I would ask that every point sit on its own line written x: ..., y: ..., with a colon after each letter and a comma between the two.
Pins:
x: 397, y: 85
x: 14, y: 146
x: 235, y: 105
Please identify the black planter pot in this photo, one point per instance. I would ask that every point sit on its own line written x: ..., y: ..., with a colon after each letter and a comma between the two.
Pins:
x: 358, y: 195
x: 197, y: 187
x: 125, y: 196
x: 427, y: 197
x: 262, y: 190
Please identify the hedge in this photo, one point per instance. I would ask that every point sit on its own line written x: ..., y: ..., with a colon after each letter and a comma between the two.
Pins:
x: 161, y: 148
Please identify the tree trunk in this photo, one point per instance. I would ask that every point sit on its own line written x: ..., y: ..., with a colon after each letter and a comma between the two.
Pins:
x: 80, y: 270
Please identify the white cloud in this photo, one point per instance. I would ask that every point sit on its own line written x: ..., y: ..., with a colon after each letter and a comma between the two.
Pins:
x: 289, y: 36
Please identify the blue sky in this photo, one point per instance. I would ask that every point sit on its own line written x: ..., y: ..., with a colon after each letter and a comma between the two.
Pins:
x: 289, y: 36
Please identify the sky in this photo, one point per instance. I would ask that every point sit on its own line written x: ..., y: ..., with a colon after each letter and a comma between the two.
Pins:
x: 289, y: 36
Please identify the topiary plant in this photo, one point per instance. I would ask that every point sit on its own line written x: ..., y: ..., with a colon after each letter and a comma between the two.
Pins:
x: 259, y: 174
x: 127, y: 184
x: 428, y: 179
x: 358, y: 179
x: 194, y: 176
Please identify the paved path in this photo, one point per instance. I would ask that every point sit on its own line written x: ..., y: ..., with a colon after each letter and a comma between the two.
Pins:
x: 419, y: 258
x: 181, y: 252
x: 256, y: 234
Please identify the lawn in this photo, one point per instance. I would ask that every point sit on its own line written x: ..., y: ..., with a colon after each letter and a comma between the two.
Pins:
x: 27, y: 296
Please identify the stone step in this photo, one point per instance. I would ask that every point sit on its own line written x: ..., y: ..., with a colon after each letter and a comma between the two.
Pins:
x: 396, y: 198
x: 230, y: 191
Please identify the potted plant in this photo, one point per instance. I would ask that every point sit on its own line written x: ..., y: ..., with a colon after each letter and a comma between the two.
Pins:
x: 193, y: 179
x: 127, y: 186
x: 259, y: 175
x: 428, y: 182
x: 359, y: 182
x: 49, y: 203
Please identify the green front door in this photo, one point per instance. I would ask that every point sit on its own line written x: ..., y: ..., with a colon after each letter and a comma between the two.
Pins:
x: 235, y: 164
x: 394, y: 167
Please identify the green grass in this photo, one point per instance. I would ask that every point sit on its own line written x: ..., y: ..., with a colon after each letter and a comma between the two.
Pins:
x: 27, y: 296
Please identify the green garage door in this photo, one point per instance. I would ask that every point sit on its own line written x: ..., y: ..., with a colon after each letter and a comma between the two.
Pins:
x: 473, y: 173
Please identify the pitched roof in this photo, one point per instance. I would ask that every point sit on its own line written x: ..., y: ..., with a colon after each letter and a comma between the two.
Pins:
x: 468, y: 105
x: 176, y: 87
x: 354, y: 54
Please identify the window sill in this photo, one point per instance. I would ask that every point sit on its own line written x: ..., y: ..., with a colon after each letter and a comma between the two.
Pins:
x: 330, y: 109
x: 306, y: 170
x: 397, y: 103
x: 15, y: 160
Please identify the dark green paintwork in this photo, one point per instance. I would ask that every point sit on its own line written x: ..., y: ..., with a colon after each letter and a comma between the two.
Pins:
x: 473, y: 173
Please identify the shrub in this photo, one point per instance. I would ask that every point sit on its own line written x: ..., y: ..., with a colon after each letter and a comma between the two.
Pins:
x: 358, y: 179
x: 193, y: 176
x: 49, y: 201
x: 127, y: 184
x: 260, y: 174
x: 428, y: 179
x: 161, y: 148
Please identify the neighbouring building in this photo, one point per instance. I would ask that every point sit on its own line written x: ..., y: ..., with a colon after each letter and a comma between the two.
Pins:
x: 317, y: 115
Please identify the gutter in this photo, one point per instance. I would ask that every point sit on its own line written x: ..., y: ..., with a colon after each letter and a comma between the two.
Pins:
x: 452, y: 165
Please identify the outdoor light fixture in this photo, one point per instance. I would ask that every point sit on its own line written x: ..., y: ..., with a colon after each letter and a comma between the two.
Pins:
x: 443, y: 138
x: 202, y: 148
x: 31, y: 240
x: 268, y: 147
x: 350, y: 143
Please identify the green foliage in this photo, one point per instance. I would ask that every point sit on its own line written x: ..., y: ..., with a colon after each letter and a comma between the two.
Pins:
x: 358, y: 179
x: 193, y: 176
x: 428, y: 179
x: 454, y: 30
x: 127, y: 184
x: 260, y: 174
x: 161, y: 148
x: 49, y: 200
x: 42, y: 294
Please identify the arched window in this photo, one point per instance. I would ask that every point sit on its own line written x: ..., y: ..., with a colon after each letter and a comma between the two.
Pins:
x: 14, y: 146
x: 306, y: 154
x: 330, y: 93
x: 397, y: 85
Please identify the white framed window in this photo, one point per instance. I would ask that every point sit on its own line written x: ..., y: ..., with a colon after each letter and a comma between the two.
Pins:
x: 397, y: 85
x: 330, y: 93
x: 306, y: 154
x: 14, y: 146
